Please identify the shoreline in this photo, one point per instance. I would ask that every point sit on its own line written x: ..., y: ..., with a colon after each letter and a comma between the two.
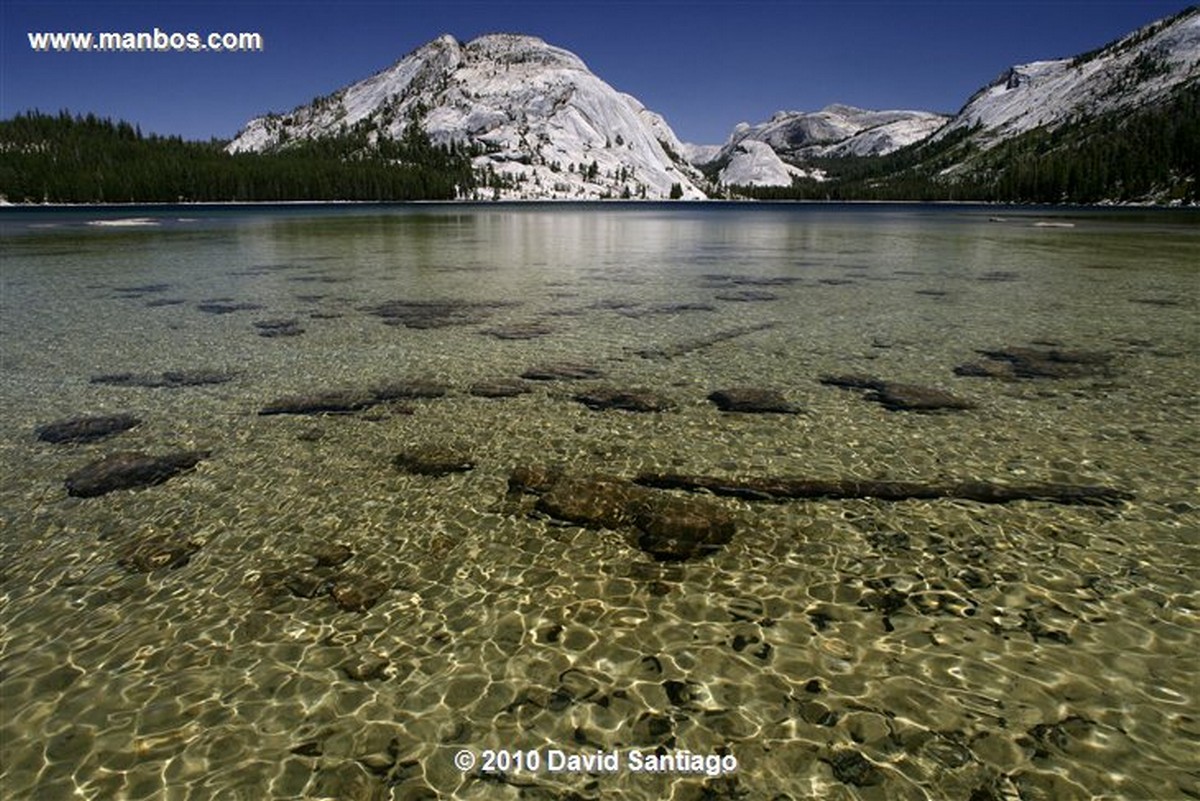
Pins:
x: 233, y: 204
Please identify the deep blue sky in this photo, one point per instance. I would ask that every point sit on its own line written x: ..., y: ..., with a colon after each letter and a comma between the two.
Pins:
x: 704, y: 65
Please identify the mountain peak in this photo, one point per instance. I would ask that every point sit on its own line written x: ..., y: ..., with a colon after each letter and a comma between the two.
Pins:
x: 545, y: 126
x: 520, y: 49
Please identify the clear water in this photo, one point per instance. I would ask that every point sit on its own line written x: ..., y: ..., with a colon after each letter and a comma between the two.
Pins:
x: 1036, y: 652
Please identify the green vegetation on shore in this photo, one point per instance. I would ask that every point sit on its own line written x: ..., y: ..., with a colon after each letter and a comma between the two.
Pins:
x: 85, y: 159
x: 1152, y: 155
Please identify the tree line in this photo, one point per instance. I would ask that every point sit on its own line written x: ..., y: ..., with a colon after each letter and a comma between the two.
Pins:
x: 1150, y: 154
x: 67, y: 158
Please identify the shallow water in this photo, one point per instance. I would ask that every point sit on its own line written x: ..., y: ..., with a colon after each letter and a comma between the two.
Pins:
x: 836, y: 649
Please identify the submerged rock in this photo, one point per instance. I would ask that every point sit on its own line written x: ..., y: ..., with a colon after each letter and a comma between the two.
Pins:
x: 668, y: 527
x: 330, y: 402
x: 748, y: 296
x: 331, y: 554
x: 170, y: 379
x: 142, y: 289
x: 636, y: 312
x: 563, y: 371
x: 675, y: 529
x: 520, y: 331
x: 279, y: 328
x: 433, y: 460
x: 915, y: 398
x: 851, y: 767
x: 86, y: 429
x: 594, y: 501
x: 304, y: 584
x: 366, y: 667
x: 157, y: 554
x: 1030, y: 363
x: 752, y: 400
x: 534, y: 479
x: 357, y: 593
x: 425, y: 314
x: 501, y: 388
x: 129, y: 470
x: 776, y: 488
x: 629, y: 400
x: 227, y: 307
x: 900, y: 397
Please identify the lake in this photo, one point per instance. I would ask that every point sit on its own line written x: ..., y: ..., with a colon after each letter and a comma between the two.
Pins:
x: 447, y: 585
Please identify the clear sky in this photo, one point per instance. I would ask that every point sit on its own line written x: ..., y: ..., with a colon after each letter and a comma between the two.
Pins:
x: 705, y: 66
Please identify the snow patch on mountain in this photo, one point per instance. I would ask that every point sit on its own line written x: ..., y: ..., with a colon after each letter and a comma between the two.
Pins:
x: 549, y: 127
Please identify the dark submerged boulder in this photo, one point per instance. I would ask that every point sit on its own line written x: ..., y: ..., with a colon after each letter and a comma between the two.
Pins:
x: 592, y: 501
x: 629, y: 400
x: 675, y: 529
x: 534, y: 479
x: 159, y: 553
x: 128, y: 471
x: 86, y: 429
x: 329, y: 402
x: 1050, y: 362
x: 357, y: 593
x: 916, y: 398
x: 563, y: 371
x: 170, y: 379
x: 900, y: 397
x: 428, y: 314
x: 501, y: 388
x: 279, y: 328
x: 668, y: 527
x: 433, y: 460
x: 752, y: 400
x: 520, y: 331
x: 227, y: 307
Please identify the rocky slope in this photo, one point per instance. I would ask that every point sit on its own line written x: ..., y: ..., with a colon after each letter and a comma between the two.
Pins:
x: 1145, y: 69
x: 1132, y: 72
x: 766, y: 154
x: 544, y: 125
